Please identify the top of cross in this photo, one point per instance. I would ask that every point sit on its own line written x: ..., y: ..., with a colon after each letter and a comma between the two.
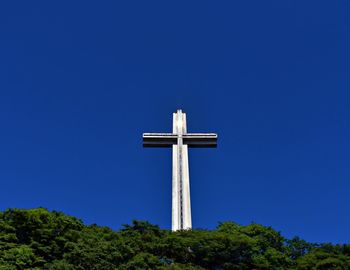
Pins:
x: 180, y: 129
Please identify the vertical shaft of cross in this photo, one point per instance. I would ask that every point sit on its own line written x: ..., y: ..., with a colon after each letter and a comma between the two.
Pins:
x: 181, y: 204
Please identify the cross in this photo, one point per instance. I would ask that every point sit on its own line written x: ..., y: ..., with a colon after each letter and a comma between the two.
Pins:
x: 180, y: 140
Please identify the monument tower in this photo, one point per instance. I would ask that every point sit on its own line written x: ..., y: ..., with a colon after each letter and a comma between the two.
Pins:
x: 180, y: 140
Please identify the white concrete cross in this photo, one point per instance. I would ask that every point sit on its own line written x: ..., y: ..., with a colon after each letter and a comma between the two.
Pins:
x: 180, y: 140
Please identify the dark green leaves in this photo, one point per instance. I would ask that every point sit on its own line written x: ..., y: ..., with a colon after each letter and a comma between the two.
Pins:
x: 39, y: 239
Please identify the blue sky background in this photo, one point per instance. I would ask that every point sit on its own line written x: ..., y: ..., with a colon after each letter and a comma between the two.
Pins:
x: 81, y: 81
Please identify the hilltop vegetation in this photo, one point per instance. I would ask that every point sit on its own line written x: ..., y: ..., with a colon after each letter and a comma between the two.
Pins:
x: 39, y: 239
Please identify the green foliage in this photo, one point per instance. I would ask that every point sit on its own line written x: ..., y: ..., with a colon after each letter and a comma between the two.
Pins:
x: 39, y: 239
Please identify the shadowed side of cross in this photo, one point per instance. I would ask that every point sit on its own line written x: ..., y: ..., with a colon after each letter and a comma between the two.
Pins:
x: 180, y: 140
x: 193, y: 140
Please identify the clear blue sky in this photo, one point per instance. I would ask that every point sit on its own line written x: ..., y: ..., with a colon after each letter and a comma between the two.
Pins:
x: 81, y: 81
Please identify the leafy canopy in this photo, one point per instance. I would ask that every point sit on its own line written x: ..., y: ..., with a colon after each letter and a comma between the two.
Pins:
x: 39, y: 239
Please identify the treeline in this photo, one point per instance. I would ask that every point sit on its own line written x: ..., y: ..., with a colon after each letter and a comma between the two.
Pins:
x: 39, y: 239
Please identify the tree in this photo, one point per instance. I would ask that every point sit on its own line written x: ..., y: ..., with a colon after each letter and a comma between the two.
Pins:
x: 39, y: 239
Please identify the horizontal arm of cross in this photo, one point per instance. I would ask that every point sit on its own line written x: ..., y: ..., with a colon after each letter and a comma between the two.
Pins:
x: 190, y: 139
